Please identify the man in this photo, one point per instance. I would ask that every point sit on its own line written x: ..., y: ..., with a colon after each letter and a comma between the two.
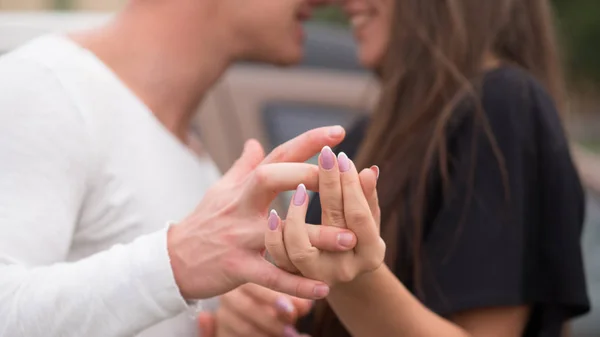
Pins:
x: 96, y: 159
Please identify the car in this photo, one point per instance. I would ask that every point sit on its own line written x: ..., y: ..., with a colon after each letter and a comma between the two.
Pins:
x: 274, y: 104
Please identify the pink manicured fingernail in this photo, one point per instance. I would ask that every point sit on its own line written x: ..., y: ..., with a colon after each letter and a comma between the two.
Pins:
x: 336, y: 131
x: 327, y: 158
x: 300, y: 195
x: 273, y: 220
x: 321, y: 291
x: 289, y: 331
x: 343, y: 162
x: 345, y: 239
x: 285, y: 305
x: 375, y: 169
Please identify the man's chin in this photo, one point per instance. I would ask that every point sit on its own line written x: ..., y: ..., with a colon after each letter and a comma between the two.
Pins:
x: 287, y: 59
x: 288, y: 62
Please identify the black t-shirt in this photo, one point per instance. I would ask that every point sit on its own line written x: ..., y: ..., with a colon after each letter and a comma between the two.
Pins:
x: 494, y: 252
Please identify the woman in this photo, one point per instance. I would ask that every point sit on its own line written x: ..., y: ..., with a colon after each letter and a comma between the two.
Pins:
x: 481, y: 206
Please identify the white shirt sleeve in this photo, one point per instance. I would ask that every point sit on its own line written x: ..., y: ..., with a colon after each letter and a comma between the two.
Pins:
x: 45, y: 159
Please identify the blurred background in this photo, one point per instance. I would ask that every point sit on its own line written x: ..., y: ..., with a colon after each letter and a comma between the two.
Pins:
x: 329, y: 87
x: 578, y: 24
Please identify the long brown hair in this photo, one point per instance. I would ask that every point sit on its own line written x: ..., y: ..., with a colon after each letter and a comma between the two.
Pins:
x: 434, y: 61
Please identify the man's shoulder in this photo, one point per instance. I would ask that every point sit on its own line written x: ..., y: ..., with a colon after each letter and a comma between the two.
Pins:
x: 26, y: 64
x: 43, y: 49
x: 26, y: 83
x: 38, y: 61
x: 31, y: 87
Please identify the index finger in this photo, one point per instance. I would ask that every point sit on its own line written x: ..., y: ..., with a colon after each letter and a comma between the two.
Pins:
x: 272, y: 179
x: 306, y: 145
x: 267, y: 275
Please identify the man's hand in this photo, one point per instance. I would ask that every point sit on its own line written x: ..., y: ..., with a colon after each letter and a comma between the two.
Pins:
x: 220, y: 246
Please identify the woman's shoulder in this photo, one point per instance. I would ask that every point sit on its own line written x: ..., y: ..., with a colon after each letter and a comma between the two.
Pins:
x: 510, y: 92
x: 510, y: 79
x: 517, y: 109
x: 517, y: 102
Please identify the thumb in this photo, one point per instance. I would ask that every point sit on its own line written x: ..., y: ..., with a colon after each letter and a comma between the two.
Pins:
x: 251, y: 157
x: 207, y: 325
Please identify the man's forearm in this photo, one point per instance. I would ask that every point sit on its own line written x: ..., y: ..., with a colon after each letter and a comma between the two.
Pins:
x: 118, y: 292
x: 377, y: 304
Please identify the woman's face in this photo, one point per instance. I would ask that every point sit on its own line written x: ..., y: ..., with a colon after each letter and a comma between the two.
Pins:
x: 371, y: 24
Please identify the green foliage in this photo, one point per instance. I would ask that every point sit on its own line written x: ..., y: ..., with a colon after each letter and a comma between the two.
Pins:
x: 591, y: 145
x: 579, y: 26
x: 63, y: 4
x: 330, y: 14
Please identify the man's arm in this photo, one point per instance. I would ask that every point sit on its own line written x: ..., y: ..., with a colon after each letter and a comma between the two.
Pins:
x: 118, y: 292
x: 46, y: 157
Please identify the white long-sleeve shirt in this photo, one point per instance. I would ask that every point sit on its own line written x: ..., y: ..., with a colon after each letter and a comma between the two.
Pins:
x: 89, y: 180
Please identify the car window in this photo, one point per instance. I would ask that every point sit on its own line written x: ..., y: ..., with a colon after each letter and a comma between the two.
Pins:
x: 286, y: 120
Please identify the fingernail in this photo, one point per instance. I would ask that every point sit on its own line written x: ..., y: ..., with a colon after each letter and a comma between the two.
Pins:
x: 273, y: 220
x: 285, y: 305
x: 321, y: 291
x: 343, y: 162
x: 336, y: 131
x: 289, y: 331
x: 375, y: 169
x: 300, y: 195
x: 345, y: 239
x: 327, y: 158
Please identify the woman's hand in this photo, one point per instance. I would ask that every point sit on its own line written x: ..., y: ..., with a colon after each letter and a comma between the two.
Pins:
x: 220, y: 245
x: 252, y: 310
x: 348, y: 200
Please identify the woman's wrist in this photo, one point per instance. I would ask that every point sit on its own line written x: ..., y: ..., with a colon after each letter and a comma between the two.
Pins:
x: 360, y: 281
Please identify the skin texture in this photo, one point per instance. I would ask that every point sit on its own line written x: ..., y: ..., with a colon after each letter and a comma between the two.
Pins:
x: 256, y: 311
x: 370, y: 20
x: 290, y: 244
x: 220, y: 245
